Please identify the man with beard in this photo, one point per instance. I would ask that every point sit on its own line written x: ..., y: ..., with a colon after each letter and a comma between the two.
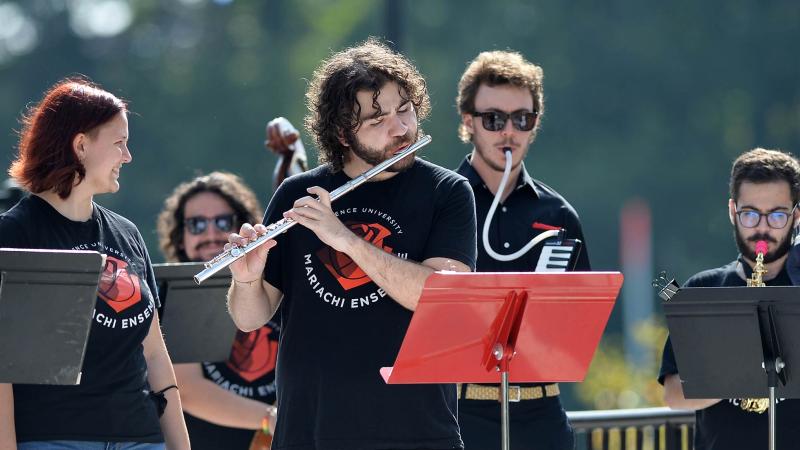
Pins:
x: 225, y: 401
x: 500, y: 100
x: 348, y: 279
x: 764, y: 189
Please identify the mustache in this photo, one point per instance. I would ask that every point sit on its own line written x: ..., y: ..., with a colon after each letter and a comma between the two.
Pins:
x: 508, y: 143
x: 402, y: 141
x: 215, y: 242
x: 762, y: 237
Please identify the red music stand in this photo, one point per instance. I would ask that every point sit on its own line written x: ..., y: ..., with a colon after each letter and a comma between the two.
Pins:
x: 496, y: 327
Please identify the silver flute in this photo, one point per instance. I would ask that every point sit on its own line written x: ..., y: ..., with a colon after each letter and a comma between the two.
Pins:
x: 227, y: 257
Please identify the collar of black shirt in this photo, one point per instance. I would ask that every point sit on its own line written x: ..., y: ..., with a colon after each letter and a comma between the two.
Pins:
x: 524, y: 180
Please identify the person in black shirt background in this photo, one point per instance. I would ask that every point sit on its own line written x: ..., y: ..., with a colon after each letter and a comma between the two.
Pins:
x: 224, y: 401
x: 72, y: 147
x: 500, y: 100
x: 764, y: 192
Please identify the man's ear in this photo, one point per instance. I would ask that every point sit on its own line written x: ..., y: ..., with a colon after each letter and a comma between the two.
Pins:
x: 468, y: 120
x: 731, y: 211
x: 342, y: 140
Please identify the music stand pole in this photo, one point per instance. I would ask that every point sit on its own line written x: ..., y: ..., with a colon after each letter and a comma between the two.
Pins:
x: 506, y: 438
x: 505, y: 429
x: 772, y: 418
x: 773, y: 364
x: 508, y: 324
x: 773, y: 368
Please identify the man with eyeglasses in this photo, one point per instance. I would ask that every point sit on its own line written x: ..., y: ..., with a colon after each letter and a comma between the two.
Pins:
x: 500, y: 100
x: 764, y: 190
x: 224, y: 402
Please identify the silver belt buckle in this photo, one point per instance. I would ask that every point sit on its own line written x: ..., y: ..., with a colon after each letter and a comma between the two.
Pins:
x: 514, y: 394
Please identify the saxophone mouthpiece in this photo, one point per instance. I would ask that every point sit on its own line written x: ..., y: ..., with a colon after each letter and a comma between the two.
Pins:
x: 761, y: 247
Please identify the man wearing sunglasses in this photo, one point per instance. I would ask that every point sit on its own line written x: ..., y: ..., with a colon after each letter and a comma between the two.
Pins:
x: 500, y: 100
x: 764, y: 190
x: 225, y: 401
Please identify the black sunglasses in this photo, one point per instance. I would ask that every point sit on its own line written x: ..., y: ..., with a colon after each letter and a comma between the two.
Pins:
x: 496, y: 120
x: 199, y: 224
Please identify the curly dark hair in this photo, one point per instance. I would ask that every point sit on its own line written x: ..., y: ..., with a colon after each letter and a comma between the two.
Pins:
x: 171, y: 221
x: 763, y: 166
x: 333, y: 111
x: 498, y: 68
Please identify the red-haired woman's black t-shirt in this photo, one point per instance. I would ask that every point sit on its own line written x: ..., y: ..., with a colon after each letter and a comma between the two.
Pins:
x: 111, y: 403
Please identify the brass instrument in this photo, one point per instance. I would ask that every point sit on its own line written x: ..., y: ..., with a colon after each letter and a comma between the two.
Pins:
x: 227, y: 257
x: 757, y: 279
x: 758, y: 405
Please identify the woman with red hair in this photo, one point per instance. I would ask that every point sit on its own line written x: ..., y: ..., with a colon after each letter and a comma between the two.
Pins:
x: 72, y: 147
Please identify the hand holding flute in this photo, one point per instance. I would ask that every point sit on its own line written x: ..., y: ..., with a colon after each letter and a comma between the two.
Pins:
x: 313, y: 213
x: 316, y: 215
x: 250, y: 267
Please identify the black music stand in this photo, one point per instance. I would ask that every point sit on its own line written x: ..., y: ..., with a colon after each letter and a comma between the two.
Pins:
x: 46, y: 303
x: 194, y: 319
x: 737, y: 342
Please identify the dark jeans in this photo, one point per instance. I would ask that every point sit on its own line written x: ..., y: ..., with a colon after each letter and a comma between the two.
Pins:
x: 534, y: 425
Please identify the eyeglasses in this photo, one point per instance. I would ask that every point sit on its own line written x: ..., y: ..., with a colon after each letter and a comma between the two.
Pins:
x: 199, y: 224
x: 775, y: 219
x: 496, y: 120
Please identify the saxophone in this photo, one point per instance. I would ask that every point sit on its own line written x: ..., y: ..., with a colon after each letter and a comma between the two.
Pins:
x: 758, y: 405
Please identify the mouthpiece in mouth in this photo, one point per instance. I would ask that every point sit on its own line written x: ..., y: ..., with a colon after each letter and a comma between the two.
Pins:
x: 761, y: 247
x: 401, y: 149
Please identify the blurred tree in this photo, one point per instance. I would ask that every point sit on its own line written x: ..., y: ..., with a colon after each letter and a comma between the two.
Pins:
x: 612, y: 382
x: 649, y: 98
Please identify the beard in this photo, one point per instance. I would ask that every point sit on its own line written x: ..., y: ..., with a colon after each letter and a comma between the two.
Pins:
x: 780, y: 251
x: 217, y: 245
x: 373, y: 156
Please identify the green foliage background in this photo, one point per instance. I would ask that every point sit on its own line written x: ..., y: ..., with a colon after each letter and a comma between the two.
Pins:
x: 644, y: 99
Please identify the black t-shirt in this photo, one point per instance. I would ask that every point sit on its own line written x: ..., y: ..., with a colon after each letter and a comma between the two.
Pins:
x: 249, y: 372
x: 725, y: 425
x: 531, y: 202
x: 112, y: 402
x: 340, y: 328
